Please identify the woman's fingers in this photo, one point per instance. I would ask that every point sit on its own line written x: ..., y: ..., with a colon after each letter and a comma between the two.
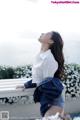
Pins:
x: 20, y: 87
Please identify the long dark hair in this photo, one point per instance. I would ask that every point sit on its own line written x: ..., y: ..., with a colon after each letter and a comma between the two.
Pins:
x: 57, y: 51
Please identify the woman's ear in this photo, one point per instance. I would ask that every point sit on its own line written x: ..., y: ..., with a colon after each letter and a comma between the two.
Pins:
x: 51, y: 41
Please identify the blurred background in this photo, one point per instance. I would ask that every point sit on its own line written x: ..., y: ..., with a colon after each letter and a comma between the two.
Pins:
x: 22, y: 22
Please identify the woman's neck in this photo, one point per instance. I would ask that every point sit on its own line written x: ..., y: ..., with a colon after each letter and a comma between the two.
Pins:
x: 44, y: 47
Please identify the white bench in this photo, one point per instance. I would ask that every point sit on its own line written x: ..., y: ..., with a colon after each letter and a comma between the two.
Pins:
x: 8, y: 87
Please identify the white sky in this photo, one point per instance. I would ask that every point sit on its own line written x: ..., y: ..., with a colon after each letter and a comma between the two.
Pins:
x: 22, y: 21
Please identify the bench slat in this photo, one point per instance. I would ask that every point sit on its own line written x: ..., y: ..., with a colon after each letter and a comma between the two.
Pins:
x: 8, y: 87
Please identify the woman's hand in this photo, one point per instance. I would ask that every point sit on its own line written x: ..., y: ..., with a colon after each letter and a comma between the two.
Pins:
x: 22, y: 87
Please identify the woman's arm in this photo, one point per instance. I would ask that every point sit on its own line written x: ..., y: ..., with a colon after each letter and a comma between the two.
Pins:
x: 26, y: 85
x: 29, y: 84
x: 22, y: 87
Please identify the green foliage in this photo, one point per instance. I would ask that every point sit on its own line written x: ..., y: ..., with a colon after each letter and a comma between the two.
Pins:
x: 71, y: 71
x: 17, y: 72
x: 6, y: 73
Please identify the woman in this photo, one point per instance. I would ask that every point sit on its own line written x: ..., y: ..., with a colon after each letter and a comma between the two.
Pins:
x: 48, y: 63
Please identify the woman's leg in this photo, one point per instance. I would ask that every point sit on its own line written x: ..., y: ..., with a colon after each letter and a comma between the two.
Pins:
x: 53, y: 110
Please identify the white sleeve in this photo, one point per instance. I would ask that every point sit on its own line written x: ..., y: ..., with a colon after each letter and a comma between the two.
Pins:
x: 49, y: 68
x: 46, y: 68
x: 37, y: 74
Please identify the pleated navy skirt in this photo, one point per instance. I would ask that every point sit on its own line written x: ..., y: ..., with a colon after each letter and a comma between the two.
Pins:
x: 49, y: 93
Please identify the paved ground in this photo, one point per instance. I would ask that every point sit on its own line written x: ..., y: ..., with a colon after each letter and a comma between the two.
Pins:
x: 26, y: 112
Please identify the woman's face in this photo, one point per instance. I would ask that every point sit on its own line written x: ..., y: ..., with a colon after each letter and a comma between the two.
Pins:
x: 46, y: 38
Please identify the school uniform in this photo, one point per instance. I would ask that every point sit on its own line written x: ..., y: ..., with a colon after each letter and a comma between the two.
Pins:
x: 49, y: 90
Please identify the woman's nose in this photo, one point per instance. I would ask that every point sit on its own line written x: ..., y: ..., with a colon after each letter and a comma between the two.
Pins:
x: 41, y: 35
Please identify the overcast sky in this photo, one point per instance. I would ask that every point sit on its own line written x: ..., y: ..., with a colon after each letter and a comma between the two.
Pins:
x: 22, y: 21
